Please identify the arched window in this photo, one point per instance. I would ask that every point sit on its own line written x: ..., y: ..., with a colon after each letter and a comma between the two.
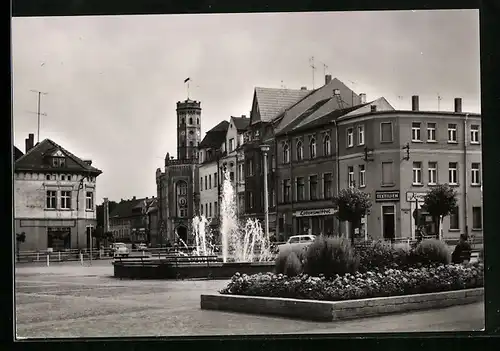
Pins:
x: 300, y: 151
x: 312, y: 148
x: 182, y: 120
x: 197, y: 121
x: 326, y: 145
x: 191, y: 144
x: 286, y: 153
x: 190, y: 120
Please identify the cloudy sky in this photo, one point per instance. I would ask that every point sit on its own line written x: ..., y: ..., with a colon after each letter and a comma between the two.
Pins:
x: 113, y: 81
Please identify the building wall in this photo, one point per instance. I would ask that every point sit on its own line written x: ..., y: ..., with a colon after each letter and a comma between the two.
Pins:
x: 208, y: 194
x: 33, y: 218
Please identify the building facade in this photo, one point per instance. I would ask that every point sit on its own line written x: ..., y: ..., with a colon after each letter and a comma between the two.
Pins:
x: 177, y: 185
x: 54, y: 195
x: 130, y: 220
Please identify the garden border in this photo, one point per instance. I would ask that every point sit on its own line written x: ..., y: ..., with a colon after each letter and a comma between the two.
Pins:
x: 338, y: 310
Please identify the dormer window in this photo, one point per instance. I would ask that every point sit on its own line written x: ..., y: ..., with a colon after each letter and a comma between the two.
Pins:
x: 58, y: 162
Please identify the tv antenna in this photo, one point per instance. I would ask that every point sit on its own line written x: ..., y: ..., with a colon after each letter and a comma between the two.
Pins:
x: 313, y: 67
x: 38, y: 113
x: 439, y: 102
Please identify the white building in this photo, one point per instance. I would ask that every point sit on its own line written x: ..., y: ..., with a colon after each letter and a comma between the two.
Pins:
x: 54, y: 197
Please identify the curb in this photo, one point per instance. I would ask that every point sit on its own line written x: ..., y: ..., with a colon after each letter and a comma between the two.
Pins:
x: 328, y: 311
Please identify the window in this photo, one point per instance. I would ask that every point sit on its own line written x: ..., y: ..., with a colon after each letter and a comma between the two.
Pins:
x: 59, y: 162
x: 231, y: 176
x: 312, y: 148
x: 327, y: 185
x: 350, y: 176
x: 452, y: 133
x: 210, y: 181
x: 386, y: 132
x: 250, y: 199
x: 350, y: 137
x: 201, y: 210
x: 271, y: 197
x: 215, y: 180
x: 63, y: 177
x: 454, y: 219
x: 250, y: 167
x: 300, y: 189
x: 286, y: 190
x: 477, y: 221
x: 241, y: 172
x: 431, y: 132
x: 300, y: 151
x: 326, y: 145
x: 215, y: 209
x: 417, y: 173
x: 210, y: 209
x: 89, y: 200
x: 51, y: 199
x: 47, y: 177
x: 273, y: 162
x: 69, y: 178
x: 231, y: 144
x: 66, y: 200
x: 361, y: 135
x: 415, y: 131
x: 387, y: 173
x: 475, y: 176
x: 452, y: 173
x: 182, y: 120
x: 201, y: 183
x: 197, y: 121
x: 286, y: 153
x: 206, y: 183
x: 474, y: 134
x: 206, y: 209
x: 362, y: 176
x: 190, y: 120
x: 313, y: 187
x: 432, y: 173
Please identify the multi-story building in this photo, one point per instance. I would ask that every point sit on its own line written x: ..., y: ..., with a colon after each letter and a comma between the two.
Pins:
x: 54, y: 195
x: 177, y: 185
x: 407, y: 153
x: 130, y: 221
x: 211, y: 151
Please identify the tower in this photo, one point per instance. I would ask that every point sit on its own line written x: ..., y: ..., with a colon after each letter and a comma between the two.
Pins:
x: 188, y: 129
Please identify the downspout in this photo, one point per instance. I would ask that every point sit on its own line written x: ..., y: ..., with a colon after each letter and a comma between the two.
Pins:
x: 465, y: 176
x: 337, y: 163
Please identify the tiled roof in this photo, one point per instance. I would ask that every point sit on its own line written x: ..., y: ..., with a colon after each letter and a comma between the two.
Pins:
x: 17, y: 153
x: 34, y: 160
x: 215, y: 136
x: 273, y: 101
x: 305, y: 115
x: 133, y: 207
x: 348, y: 98
x: 240, y: 123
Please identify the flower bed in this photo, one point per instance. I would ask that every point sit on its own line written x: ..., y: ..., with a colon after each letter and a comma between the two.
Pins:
x: 376, y: 283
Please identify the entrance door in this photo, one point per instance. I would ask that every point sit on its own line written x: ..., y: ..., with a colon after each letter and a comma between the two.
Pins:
x: 182, y: 233
x: 388, y: 222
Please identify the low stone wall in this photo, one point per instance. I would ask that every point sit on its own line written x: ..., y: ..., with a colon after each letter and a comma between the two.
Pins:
x: 338, y: 310
x: 188, y: 271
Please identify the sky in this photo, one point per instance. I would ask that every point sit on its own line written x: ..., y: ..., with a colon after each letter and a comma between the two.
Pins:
x: 113, y: 81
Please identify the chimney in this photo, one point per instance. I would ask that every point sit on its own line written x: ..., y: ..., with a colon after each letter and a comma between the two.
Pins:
x: 414, y: 103
x: 362, y: 97
x: 29, y: 142
x: 458, y: 105
x: 373, y: 108
x: 89, y: 162
x: 243, y: 116
x: 303, y: 88
x: 328, y: 78
x: 133, y: 197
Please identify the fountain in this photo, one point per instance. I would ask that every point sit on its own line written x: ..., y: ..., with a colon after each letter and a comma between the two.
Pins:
x: 239, y: 243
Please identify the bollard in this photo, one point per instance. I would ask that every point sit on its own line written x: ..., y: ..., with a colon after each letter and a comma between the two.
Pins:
x: 48, y: 260
x: 100, y: 253
x: 59, y: 256
x: 81, y: 258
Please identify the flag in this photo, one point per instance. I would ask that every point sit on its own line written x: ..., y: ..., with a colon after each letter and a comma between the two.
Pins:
x: 186, y: 80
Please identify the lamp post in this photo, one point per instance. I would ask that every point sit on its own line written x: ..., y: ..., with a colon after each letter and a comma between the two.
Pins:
x: 265, y: 150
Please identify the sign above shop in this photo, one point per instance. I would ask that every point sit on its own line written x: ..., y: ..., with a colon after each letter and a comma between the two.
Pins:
x: 387, y: 195
x: 316, y: 212
x: 414, y: 196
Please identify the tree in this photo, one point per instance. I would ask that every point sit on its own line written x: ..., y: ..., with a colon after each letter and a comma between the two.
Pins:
x: 20, y: 238
x: 440, y: 202
x: 352, y: 205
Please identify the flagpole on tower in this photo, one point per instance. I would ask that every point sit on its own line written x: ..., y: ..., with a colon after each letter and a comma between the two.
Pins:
x: 187, y: 81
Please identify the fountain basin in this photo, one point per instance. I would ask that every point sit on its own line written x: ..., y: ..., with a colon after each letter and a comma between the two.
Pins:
x: 156, y: 269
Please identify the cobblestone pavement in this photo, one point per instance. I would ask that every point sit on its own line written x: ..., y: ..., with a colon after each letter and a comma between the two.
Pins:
x: 70, y: 300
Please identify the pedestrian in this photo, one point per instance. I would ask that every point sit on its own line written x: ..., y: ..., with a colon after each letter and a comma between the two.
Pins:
x: 462, y: 252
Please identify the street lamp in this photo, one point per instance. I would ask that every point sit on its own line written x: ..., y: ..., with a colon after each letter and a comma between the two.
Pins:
x: 265, y: 150
x: 80, y: 186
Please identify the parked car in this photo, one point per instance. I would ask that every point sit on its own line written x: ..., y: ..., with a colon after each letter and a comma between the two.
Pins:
x: 120, y: 250
x: 302, y: 240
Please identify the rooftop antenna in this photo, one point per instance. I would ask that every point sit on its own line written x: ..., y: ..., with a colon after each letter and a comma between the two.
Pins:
x: 352, y: 92
x: 311, y: 64
x: 38, y: 113
x: 439, y: 102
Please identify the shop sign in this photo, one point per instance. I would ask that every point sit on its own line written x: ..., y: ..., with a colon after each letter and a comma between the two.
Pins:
x: 387, y: 195
x: 414, y: 196
x: 315, y: 212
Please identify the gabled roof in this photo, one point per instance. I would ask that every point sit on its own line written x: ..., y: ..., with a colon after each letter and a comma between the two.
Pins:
x: 240, y: 123
x: 273, y: 101
x: 215, y: 137
x: 17, y: 153
x: 34, y: 160
x: 133, y: 207
x: 348, y: 98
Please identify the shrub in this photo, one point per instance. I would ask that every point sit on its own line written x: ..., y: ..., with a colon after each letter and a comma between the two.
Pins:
x: 390, y: 282
x: 330, y: 256
x: 293, y: 266
x: 377, y: 254
x: 432, y: 251
x: 280, y: 262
